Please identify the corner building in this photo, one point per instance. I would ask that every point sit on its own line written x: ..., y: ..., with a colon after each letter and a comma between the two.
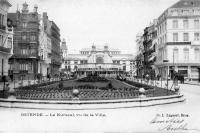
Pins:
x: 179, y: 40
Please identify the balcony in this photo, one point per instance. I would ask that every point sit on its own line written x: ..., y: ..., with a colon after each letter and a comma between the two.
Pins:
x: 23, y: 71
x: 180, y: 62
x: 54, y: 62
x: 6, y: 50
x: 100, y: 67
x: 25, y: 56
x: 186, y: 62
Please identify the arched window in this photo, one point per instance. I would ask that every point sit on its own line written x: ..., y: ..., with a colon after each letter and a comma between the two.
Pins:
x: 99, y: 60
x: 175, y: 54
x: 197, y: 54
x: 186, y: 54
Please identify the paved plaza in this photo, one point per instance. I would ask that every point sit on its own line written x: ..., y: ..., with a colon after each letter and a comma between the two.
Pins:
x: 125, y: 120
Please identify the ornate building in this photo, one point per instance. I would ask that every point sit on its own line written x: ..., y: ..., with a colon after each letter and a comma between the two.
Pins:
x: 6, y: 39
x: 36, y: 44
x: 25, y: 58
x: 106, y: 61
x: 179, y: 40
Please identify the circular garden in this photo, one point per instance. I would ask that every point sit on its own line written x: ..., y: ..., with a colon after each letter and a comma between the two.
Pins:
x: 88, y: 88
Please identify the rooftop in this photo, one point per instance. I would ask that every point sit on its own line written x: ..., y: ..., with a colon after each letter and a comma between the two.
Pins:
x: 5, y: 2
x: 186, y: 4
x: 99, y: 48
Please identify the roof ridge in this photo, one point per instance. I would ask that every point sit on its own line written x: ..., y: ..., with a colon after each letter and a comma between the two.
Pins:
x: 186, y: 4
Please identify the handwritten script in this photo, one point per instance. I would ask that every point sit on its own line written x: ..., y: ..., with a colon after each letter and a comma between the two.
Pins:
x: 171, y: 122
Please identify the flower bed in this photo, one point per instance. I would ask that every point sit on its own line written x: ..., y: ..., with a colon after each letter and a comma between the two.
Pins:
x: 93, y: 79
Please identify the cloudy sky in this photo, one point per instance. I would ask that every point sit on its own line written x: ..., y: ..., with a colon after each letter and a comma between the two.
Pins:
x: 84, y: 22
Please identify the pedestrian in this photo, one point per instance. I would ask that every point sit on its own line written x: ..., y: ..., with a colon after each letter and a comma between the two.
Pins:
x: 158, y: 77
x: 182, y: 79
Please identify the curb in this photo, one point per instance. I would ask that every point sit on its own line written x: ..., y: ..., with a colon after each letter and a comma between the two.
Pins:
x: 90, y: 105
x: 192, y: 83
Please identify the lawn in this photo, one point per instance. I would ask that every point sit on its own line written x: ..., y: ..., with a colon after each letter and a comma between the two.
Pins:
x: 115, y: 83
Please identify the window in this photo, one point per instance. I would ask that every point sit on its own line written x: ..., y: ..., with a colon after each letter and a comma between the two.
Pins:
x: 23, y: 67
x: 196, y: 36
x: 1, y: 40
x: 175, y: 55
x: 75, y: 67
x: 9, y: 43
x: 32, y: 51
x: 185, y: 24
x: 185, y: 37
x: 186, y: 54
x: 175, y: 37
x: 24, y: 51
x: 23, y: 36
x: 32, y: 37
x: 99, y: 60
x: 175, y: 23
x: 197, y: 54
x: 196, y: 24
x: 24, y: 24
x: 1, y: 19
x: 30, y: 67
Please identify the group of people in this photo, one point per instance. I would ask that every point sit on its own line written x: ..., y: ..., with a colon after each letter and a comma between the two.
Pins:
x: 174, y: 77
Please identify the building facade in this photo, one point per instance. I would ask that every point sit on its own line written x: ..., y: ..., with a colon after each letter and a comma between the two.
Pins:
x: 25, y: 59
x: 6, y: 39
x: 36, y: 45
x: 44, y: 47
x: 139, y: 59
x: 149, y: 52
x: 55, y: 49
x: 102, y: 60
x: 179, y: 40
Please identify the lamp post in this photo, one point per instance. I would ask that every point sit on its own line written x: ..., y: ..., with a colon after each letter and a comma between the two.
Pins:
x: 167, y: 74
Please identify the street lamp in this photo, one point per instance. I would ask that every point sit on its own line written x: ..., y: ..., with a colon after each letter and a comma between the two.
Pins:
x: 167, y: 73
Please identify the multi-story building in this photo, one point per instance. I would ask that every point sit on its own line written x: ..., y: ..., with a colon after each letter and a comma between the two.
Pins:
x: 149, y: 44
x: 45, y: 46
x: 25, y: 60
x: 104, y: 61
x: 179, y: 40
x: 55, y: 49
x: 36, y: 44
x: 5, y: 39
x: 139, y: 59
